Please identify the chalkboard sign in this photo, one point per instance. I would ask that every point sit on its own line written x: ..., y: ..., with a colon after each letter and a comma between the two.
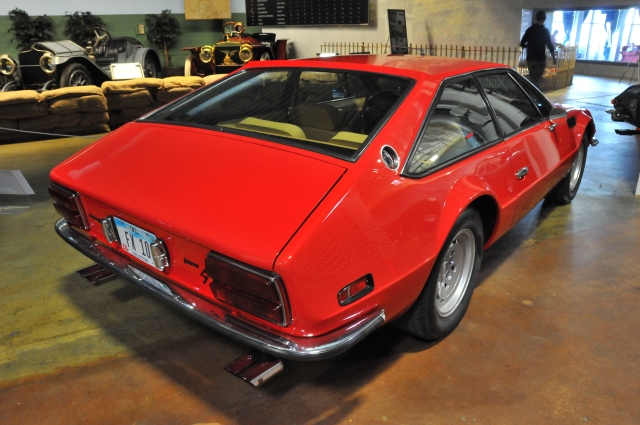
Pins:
x: 398, y: 31
x: 271, y: 13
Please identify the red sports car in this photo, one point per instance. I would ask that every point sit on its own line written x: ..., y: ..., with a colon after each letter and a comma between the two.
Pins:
x: 296, y: 206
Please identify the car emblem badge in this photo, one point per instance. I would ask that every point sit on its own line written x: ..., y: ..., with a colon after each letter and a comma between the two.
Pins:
x: 227, y: 59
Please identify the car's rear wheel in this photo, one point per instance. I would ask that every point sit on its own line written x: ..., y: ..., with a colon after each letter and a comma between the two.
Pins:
x: 567, y: 189
x: 150, y: 68
x: 75, y: 74
x: 446, y: 295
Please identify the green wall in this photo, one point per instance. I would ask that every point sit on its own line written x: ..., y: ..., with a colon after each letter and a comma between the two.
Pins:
x: 194, y: 33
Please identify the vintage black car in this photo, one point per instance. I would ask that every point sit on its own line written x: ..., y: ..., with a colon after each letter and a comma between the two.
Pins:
x: 52, y: 64
x: 236, y: 49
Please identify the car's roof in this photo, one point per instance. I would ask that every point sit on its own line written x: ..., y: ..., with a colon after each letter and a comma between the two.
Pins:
x: 436, y: 66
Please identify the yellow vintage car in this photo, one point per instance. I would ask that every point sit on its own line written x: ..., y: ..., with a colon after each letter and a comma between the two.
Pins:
x: 236, y: 49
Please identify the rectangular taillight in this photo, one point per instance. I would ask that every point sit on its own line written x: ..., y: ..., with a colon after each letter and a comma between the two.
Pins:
x: 67, y: 204
x: 247, y: 288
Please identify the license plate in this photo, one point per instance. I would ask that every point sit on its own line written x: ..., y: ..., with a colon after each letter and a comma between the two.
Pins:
x: 135, y: 241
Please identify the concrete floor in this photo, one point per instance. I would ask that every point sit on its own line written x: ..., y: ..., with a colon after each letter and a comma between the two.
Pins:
x: 551, y: 336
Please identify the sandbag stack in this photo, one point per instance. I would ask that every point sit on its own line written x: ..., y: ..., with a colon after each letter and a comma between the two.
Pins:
x: 66, y: 111
x: 19, y: 106
x: 130, y: 99
x: 89, y: 109
x: 75, y: 111
x: 175, y: 87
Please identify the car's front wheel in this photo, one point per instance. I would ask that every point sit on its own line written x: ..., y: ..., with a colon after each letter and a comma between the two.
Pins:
x: 567, y: 189
x: 75, y: 74
x: 446, y: 295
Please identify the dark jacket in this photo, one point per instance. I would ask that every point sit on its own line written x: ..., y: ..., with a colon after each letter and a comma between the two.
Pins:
x: 535, y: 39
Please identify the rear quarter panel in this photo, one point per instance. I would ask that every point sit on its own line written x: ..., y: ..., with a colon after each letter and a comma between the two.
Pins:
x: 379, y: 222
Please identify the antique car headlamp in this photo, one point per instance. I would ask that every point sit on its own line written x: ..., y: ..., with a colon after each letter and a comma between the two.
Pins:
x: 90, y: 52
x: 206, y: 54
x: 46, y: 63
x: 246, y: 54
x: 7, y: 65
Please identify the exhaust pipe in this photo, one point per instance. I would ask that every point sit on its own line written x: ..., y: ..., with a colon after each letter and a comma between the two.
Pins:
x: 255, y: 367
x: 96, y: 274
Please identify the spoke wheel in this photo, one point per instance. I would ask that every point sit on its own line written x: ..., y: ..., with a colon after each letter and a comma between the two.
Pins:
x: 455, y: 273
x: 576, y: 169
x: 75, y: 75
x: 78, y: 78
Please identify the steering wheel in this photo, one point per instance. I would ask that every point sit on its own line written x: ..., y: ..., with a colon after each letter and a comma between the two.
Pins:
x: 102, y: 36
x: 375, y: 107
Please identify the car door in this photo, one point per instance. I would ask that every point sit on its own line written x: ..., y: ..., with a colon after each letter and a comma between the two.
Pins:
x: 533, y: 147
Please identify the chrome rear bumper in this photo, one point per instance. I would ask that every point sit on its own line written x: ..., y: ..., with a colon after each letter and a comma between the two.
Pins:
x: 288, y: 347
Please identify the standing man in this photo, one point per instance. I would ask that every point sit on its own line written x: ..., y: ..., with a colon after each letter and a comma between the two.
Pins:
x: 535, y: 39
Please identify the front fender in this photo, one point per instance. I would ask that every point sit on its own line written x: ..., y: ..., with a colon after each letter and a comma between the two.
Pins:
x: 144, y: 52
x: 98, y: 74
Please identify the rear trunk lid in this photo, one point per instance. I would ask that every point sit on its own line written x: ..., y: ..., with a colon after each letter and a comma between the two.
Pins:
x: 241, y: 197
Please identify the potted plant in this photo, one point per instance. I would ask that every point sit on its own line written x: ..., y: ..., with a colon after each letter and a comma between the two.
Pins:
x: 79, y: 25
x: 163, y: 30
x: 27, y: 31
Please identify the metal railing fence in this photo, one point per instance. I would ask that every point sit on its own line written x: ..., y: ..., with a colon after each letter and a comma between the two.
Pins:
x: 556, y: 75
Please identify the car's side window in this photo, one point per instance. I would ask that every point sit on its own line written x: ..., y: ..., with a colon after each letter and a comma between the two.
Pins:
x: 459, y: 123
x: 512, y: 106
x: 543, y: 104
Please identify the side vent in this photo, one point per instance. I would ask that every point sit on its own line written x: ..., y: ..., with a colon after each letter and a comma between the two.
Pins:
x: 571, y: 122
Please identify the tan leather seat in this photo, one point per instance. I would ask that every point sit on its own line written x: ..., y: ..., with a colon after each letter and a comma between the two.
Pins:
x: 320, y: 122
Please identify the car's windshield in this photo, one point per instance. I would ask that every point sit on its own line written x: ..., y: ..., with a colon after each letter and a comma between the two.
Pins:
x: 332, y: 112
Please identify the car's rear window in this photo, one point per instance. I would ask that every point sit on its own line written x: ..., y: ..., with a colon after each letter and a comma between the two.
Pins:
x: 328, y: 111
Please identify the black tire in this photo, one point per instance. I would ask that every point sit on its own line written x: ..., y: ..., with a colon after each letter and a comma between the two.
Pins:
x: 564, y: 192
x: 75, y: 74
x: 150, y: 67
x: 440, y: 306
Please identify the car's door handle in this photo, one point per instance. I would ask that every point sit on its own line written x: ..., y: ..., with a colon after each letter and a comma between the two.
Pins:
x: 552, y: 126
x: 523, y: 172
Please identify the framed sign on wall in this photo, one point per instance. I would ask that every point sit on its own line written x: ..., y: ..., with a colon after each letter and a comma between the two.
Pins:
x: 268, y: 13
x: 398, y: 31
x: 207, y: 9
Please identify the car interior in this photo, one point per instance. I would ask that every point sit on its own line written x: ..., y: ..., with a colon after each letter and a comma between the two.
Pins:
x: 335, y: 111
